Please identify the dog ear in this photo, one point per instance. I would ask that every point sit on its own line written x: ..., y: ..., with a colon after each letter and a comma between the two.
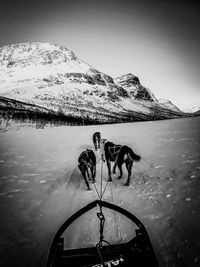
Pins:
x: 103, y: 140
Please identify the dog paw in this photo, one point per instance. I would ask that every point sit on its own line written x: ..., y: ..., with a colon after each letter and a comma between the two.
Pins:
x: 126, y: 184
x: 89, y: 188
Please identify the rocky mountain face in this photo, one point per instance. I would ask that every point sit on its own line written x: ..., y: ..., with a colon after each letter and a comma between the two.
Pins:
x: 53, y: 77
x: 135, y: 90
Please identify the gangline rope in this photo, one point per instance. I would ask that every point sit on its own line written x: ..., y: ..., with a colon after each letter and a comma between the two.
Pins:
x: 100, y: 214
x: 102, y: 191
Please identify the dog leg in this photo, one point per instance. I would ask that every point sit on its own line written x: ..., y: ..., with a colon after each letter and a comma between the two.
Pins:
x: 93, y: 171
x: 120, y: 170
x: 109, y: 171
x: 129, y: 165
x: 86, y: 181
x: 114, y: 167
x: 87, y: 171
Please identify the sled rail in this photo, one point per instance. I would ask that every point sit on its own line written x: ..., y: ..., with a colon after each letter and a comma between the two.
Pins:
x: 139, y: 247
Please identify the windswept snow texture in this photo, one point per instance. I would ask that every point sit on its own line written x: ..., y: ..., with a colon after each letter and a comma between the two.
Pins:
x: 41, y: 187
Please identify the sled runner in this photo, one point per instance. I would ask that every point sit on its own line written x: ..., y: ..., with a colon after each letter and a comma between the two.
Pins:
x: 137, y: 252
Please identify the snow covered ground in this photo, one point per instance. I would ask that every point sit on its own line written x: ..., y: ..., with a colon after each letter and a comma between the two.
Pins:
x: 41, y: 186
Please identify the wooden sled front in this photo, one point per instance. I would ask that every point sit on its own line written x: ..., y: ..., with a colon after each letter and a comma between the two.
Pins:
x: 136, y: 252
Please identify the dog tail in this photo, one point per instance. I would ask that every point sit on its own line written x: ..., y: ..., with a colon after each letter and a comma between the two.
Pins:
x: 134, y: 156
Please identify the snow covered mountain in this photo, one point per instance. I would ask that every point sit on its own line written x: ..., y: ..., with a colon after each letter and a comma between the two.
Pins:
x: 196, y: 109
x: 168, y: 104
x: 53, y: 77
x: 135, y: 90
x: 197, y: 112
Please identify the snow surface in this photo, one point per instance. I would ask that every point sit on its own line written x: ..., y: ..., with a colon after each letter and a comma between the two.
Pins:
x: 41, y: 187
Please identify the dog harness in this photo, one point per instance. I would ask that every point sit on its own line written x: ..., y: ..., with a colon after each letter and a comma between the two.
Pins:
x: 87, y: 156
x: 114, y: 151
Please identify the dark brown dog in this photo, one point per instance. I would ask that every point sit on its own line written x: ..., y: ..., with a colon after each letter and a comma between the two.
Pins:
x: 119, y: 155
x: 87, y: 166
x: 97, y: 140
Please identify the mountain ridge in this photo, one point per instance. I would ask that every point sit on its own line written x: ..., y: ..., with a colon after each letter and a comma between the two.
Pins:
x: 51, y: 76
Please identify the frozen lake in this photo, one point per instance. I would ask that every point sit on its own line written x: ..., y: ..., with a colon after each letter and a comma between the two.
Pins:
x: 41, y: 186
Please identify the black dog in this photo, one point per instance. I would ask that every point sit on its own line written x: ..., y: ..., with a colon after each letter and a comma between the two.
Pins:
x: 87, y: 166
x: 97, y: 140
x: 120, y: 155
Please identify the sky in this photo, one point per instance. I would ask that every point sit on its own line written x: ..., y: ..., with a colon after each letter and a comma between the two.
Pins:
x: 157, y: 40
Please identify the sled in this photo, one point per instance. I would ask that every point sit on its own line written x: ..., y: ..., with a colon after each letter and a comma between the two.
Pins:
x: 137, y: 252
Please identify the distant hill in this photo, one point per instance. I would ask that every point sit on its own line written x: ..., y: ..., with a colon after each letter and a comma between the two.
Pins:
x: 168, y: 104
